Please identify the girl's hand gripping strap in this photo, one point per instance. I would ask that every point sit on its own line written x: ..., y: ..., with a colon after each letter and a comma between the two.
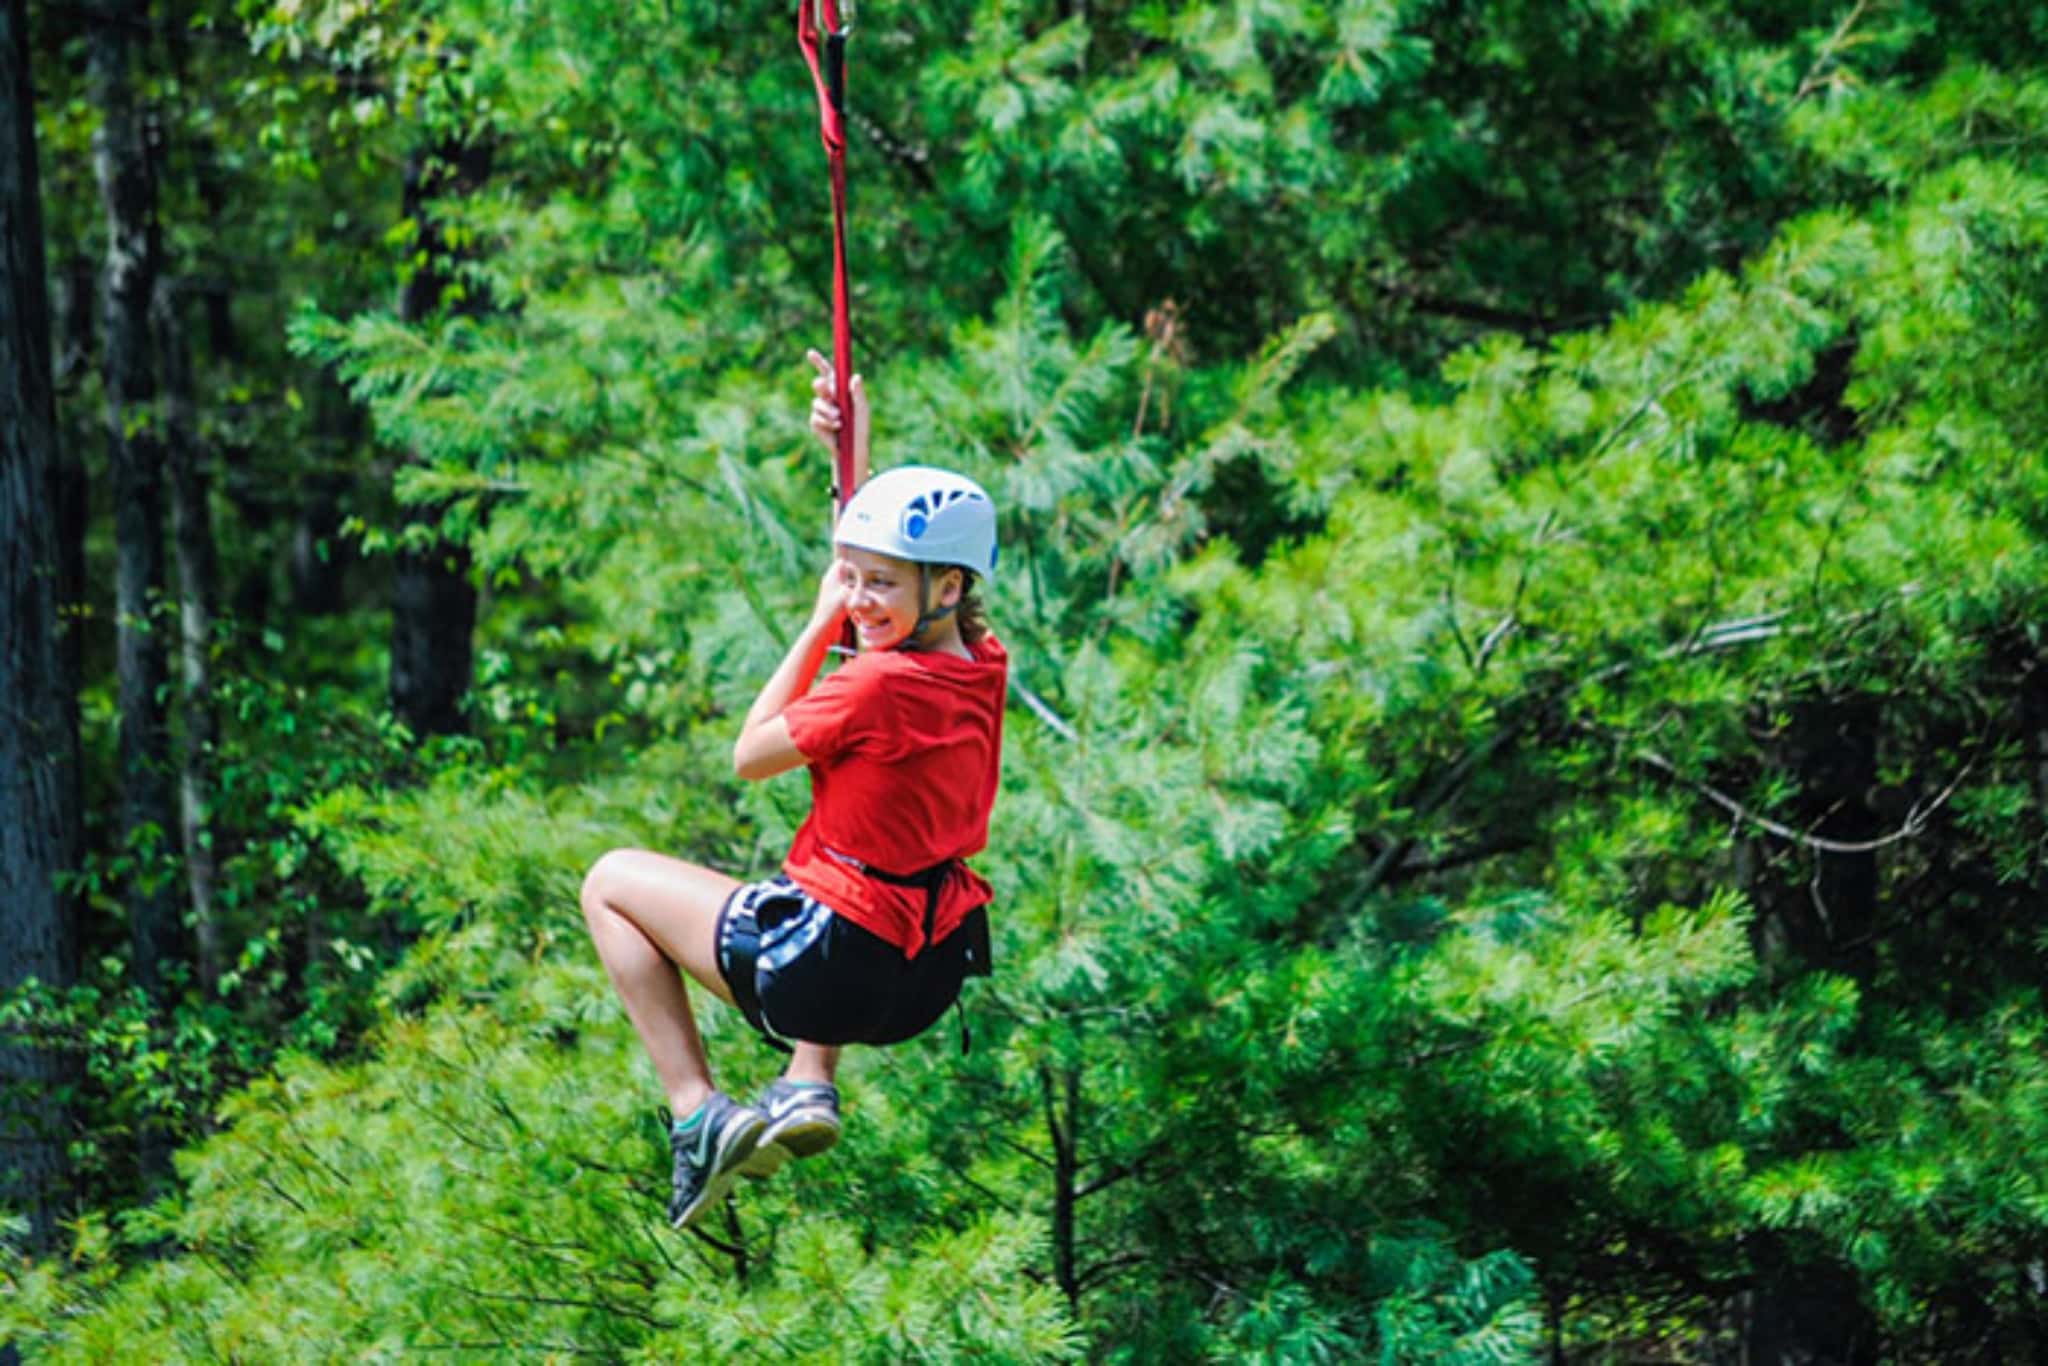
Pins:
x: 821, y: 30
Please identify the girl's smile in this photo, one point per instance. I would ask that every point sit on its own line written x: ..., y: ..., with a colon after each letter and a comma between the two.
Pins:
x: 882, y: 597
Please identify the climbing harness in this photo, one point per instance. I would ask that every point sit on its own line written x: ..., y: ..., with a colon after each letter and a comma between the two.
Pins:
x: 932, y: 882
x: 822, y: 27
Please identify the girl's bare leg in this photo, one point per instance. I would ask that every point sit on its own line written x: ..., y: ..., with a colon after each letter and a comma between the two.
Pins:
x: 649, y: 915
x: 813, y: 1062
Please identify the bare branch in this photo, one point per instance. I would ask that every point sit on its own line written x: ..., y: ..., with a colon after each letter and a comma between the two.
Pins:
x: 1043, y: 711
x: 1499, y: 632
x: 570, y: 1302
x: 1915, y: 823
x: 1458, y: 631
x: 1829, y: 50
x: 1040, y: 1158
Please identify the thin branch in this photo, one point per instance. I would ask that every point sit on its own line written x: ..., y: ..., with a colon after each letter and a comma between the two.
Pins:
x: 1464, y: 310
x: 738, y: 1237
x: 1108, y: 1267
x: 1724, y: 635
x: 1043, y: 711
x: 1459, y: 858
x: 1915, y: 822
x: 1458, y: 631
x: 985, y: 1192
x: 913, y: 158
x: 1499, y: 632
x: 280, y: 1192
x: 1437, y: 1054
x: 570, y: 1302
x: 452, y: 1127
x: 507, y: 1347
x: 1828, y: 51
x: 1108, y: 1179
x: 291, y: 1123
x: 732, y: 1250
x: 1447, y: 786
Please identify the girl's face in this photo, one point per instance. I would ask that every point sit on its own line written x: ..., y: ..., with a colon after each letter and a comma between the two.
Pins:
x: 882, y: 599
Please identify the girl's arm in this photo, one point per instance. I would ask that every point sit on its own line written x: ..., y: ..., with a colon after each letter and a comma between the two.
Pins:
x: 765, y: 748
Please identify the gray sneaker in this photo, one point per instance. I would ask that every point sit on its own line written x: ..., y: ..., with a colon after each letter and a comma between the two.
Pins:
x: 709, y: 1149
x: 803, y: 1121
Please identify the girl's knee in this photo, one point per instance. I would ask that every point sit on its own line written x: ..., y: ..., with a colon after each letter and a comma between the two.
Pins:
x: 601, y: 882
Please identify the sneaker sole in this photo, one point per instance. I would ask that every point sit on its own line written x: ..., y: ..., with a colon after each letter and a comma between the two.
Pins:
x: 726, y: 1167
x: 780, y: 1142
x: 766, y: 1161
x: 806, y: 1137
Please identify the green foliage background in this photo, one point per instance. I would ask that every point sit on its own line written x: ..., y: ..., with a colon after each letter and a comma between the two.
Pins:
x: 1521, y: 828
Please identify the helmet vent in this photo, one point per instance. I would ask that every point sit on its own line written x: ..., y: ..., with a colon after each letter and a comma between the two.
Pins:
x: 919, y: 511
x: 930, y: 516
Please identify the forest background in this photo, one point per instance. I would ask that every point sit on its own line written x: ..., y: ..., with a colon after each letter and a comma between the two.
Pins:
x: 1527, y: 538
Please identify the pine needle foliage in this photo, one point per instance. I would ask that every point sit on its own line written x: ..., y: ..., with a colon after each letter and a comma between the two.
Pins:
x: 1575, y: 883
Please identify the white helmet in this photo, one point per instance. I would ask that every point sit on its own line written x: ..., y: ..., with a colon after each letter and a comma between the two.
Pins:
x: 927, y: 515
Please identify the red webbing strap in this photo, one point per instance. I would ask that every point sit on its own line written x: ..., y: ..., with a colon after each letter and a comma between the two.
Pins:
x: 822, y: 22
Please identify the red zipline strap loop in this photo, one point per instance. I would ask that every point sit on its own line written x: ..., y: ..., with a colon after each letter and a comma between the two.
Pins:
x: 821, y: 29
x: 819, y: 26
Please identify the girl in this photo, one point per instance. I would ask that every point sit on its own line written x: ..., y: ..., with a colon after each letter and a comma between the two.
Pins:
x: 874, y: 921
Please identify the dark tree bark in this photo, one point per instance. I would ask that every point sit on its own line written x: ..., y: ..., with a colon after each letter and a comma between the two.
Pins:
x: 198, y: 565
x: 1806, y: 1309
x: 319, y: 554
x: 254, y: 502
x: 78, y: 284
x: 39, y: 815
x: 1828, y: 919
x: 433, y: 619
x: 1806, y: 1314
x: 198, y: 593
x: 128, y: 190
x: 74, y: 360
x: 1066, y: 1167
x: 317, y: 549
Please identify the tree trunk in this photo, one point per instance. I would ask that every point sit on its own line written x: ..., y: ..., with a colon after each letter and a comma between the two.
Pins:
x: 128, y: 190
x: 1827, y: 919
x: 317, y: 551
x: 75, y: 356
x: 1064, y: 1134
x: 319, y: 554
x: 39, y: 815
x: 251, y: 497
x: 198, y: 592
x: 1806, y: 1308
x: 1806, y: 1315
x: 433, y: 619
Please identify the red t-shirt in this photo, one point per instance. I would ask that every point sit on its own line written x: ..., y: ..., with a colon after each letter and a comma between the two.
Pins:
x: 903, y: 749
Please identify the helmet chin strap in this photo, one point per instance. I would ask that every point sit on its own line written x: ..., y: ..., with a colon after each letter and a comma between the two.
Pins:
x: 927, y: 614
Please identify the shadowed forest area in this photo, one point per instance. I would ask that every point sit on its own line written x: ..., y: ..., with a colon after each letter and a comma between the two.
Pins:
x: 1525, y: 543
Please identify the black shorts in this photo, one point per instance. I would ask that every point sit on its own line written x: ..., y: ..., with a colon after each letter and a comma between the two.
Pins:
x: 817, y: 977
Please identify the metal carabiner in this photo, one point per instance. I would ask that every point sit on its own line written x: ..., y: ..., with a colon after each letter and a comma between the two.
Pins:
x: 845, y: 8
